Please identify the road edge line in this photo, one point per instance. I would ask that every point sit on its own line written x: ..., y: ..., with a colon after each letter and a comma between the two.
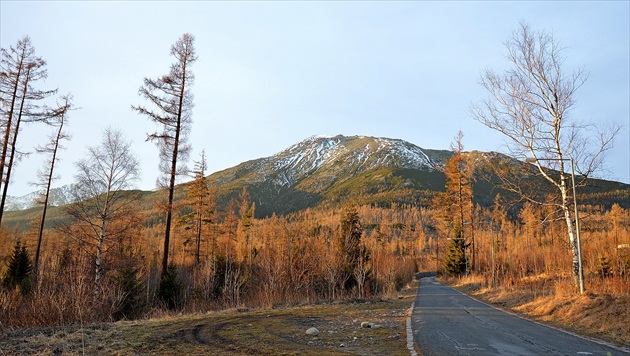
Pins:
x: 410, y: 341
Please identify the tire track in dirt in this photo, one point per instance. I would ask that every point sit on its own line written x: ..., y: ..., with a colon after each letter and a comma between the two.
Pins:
x: 214, y: 335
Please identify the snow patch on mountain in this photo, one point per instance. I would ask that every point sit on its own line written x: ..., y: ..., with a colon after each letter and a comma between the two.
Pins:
x: 340, y: 153
x: 58, y: 196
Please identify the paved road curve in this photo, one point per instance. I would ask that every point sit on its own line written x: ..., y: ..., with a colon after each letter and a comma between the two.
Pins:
x: 446, y: 322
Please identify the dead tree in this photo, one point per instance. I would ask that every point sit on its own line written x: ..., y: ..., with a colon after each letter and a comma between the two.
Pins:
x: 58, y: 119
x: 20, y: 69
x: 172, y: 104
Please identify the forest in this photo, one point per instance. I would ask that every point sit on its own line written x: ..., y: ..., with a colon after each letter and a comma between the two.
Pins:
x: 114, y: 255
x: 232, y: 260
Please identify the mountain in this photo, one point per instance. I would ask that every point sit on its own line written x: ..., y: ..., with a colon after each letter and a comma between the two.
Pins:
x: 331, y: 168
x: 370, y: 170
x: 57, y: 197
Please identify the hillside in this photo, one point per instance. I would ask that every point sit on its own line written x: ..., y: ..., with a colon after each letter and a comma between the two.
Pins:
x: 333, y: 169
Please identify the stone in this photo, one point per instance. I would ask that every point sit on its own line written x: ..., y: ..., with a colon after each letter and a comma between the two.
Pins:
x: 366, y: 324
x: 312, y: 331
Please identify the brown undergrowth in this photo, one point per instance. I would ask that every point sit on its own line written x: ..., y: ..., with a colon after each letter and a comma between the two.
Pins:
x: 553, y: 300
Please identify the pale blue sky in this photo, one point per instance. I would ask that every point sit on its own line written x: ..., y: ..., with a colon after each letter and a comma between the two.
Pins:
x: 271, y: 74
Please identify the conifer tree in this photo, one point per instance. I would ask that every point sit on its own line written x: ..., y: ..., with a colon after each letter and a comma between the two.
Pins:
x: 455, y: 203
x: 170, y: 287
x: 172, y: 100
x: 247, y: 211
x: 19, y: 268
x: 202, y: 203
x: 20, y: 68
x: 455, y: 260
x: 132, y: 288
x: 351, y: 252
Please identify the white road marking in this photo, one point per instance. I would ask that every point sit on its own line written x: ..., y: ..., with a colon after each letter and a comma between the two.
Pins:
x: 412, y: 350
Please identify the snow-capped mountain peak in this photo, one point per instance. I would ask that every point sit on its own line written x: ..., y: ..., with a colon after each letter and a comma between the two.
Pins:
x: 57, y: 197
x: 324, y: 159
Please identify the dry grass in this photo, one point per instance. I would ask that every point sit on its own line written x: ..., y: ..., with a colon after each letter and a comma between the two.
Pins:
x: 261, y: 332
x: 554, y: 301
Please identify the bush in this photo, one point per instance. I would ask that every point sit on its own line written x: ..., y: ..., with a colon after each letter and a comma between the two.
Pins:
x: 131, y: 286
x: 169, y: 288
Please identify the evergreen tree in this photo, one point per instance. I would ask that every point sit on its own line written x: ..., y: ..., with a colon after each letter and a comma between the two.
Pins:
x: 455, y: 204
x: 455, y: 260
x: 170, y: 287
x: 19, y: 268
x: 132, y: 288
x: 203, y: 205
x: 350, y: 249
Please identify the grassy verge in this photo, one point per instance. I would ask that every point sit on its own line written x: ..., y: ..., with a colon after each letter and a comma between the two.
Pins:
x: 554, y: 302
x: 253, y: 332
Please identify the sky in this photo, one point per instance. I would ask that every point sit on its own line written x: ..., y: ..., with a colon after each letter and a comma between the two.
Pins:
x: 271, y: 74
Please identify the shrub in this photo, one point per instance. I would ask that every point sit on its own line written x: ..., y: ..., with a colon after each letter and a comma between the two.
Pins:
x: 169, y: 287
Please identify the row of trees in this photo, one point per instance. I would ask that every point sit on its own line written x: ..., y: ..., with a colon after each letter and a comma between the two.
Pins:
x: 315, y: 255
x: 22, y: 102
x: 109, y: 169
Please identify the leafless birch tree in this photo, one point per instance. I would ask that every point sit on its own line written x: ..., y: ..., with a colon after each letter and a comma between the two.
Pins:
x: 103, y: 198
x: 530, y: 104
x: 172, y: 103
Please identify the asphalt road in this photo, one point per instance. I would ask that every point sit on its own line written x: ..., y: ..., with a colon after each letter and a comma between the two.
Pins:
x: 446, y: 322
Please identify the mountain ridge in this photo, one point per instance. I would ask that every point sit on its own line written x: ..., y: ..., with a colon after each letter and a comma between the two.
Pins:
x: 320, y: 167
x: 334, y: 168
x: 57, y: 196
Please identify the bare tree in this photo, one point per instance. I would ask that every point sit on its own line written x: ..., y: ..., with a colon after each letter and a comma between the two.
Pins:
x: 103, y: 199
x: 58, y: 119
x: 173, y: 102
x: 531, y: 105
x: 20, y: 68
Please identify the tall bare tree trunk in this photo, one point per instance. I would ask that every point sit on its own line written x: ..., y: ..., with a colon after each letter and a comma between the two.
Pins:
x: 15, y: 62
x: 9, y: 166
x: 173, y: 101
x: 60, y: 115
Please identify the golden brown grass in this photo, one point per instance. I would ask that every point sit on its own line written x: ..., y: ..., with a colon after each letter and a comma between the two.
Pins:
x: 553, y: 300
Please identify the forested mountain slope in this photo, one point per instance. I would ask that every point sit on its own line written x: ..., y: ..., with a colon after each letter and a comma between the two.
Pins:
x: 333, y: 169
